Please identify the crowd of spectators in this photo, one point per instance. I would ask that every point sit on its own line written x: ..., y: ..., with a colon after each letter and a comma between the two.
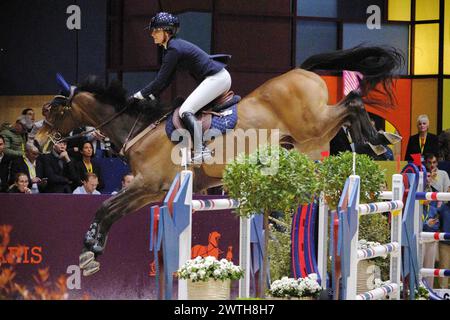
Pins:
x: 70, y: 166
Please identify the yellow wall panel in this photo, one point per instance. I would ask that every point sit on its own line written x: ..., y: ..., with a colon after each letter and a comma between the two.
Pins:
x: 424, y: 101
x: 447, y: 37
x: 427, y: 10
x: 399, y: 10
x: 426, y: 49
x: 446, y: 105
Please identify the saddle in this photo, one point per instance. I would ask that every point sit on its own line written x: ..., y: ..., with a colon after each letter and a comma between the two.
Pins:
x: 214, y: 108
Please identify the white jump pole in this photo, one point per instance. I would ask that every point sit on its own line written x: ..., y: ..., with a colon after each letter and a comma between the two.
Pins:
x: 244, y: 257
x: 396, y: 234
x: 418, y: 213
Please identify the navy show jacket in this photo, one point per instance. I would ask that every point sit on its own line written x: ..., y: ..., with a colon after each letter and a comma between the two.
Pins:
x: 183, y: 55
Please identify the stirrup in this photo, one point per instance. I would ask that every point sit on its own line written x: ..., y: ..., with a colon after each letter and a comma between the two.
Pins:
x: 204, y: 156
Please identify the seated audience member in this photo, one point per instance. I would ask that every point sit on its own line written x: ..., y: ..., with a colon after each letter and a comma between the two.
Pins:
x: 343, y: 142
x: 439, y: 179
x: 431, y: 223
x: 15, y: 136
x: 20, y: 184
x: 59, y: 169
x: 87, y: 164
x: 32, y: 166
x: 90, y: 183
x: 126, y: 180
x: 5, y: 167
x: 423, y: 142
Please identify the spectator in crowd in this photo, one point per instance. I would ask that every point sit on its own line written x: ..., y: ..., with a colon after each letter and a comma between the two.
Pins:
x: 38, y: 124
x: 100, y: 143
x: 32, y: 166
x: 343, y: 142
x: 30, y: 113
x: 90, y: 183
x: 15, y: 136
x: 5, y: 166
x: 423, y: 142
x: 437, y: 181
x: 126, y: 180
x: 87, y: 164
x: 20, y: 184
x: 59, y: 169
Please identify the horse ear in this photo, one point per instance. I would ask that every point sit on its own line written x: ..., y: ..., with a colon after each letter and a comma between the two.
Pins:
x: 65, y: 87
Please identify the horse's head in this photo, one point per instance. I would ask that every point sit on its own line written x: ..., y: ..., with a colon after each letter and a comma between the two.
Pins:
x: 214, y: 237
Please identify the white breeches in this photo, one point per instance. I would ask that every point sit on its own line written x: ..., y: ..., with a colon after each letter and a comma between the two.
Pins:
x: 209, y: 89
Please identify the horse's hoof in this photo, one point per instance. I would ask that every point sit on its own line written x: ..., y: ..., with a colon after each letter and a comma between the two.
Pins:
x: 97, y: 249
x: 86, y: 258
x: 91, y: 268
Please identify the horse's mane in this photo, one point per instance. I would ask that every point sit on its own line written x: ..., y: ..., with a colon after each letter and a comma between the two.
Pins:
x: 115, y: 95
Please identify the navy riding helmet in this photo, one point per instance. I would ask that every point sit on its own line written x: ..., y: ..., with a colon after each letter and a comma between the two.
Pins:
x: 165, y: 21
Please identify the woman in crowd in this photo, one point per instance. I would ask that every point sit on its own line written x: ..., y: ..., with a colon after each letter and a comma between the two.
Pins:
x: 20, y: 184
x: 87, y: 165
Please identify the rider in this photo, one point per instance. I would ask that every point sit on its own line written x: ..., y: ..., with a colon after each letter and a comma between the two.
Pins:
x: 208, y: 70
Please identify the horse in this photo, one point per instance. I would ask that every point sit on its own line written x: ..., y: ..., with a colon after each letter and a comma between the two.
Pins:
x: 295, y: 103
x: 211, y: 249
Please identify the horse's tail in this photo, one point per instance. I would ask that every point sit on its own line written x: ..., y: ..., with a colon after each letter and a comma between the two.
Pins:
x: 376, y: 64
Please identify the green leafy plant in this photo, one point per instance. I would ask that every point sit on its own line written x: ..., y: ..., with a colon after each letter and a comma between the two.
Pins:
x: 270, y: 179
x: 334, y: 171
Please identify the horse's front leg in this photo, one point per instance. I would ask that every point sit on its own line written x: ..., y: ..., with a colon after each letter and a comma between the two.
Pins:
x: 127, y: 201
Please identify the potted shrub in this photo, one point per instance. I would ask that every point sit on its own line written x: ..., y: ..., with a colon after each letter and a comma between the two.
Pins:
x: 270, y: 179
x: 209, y: 278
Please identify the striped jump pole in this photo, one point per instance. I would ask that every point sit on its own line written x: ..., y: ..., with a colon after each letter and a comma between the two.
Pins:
x: 434, y: 236
x: 379, y: 293
x: 437, y: 273
x: 379, y: 207
x: 378, y: 251
x: 433, y: 196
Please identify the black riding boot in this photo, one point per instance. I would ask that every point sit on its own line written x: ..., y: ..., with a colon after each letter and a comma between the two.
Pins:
x: 195, y: 129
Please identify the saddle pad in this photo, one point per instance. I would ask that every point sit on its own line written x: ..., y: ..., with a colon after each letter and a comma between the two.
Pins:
x: 226, y: 119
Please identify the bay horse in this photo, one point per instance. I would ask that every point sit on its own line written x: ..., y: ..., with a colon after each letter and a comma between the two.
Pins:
x: 295, y: 103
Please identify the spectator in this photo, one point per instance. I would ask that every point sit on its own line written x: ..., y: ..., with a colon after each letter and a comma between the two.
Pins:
x: 5, y: 166
x: 38, y: 124
x: 20, y: 184
x: 30, y: 113
x: 126, y: 180
x: 32, y: 166
x: 422, y: 142
x: 438, y: 181
x: 430, y: 224
x: 343, y: 142
x: 87, y: 164
x: 100, y: 143
x: 59, y: 169
x: 90, y: 183
x: 15, y: 136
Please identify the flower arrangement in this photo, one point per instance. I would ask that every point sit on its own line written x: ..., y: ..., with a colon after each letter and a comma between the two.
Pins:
x: 421, y: 292
x: 296, y: 288
x: 203, y: 269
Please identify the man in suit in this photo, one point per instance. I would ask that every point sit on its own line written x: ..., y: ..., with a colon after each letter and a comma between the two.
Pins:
x: 59, y: 170
x: 423, y: 142
x: 5, y: 166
